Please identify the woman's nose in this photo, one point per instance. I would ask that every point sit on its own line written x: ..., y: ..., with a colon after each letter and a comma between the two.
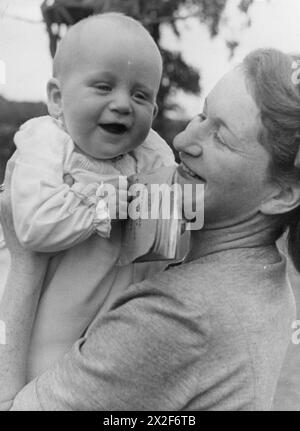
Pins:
x: 188, y: 144
x: 121, y: 103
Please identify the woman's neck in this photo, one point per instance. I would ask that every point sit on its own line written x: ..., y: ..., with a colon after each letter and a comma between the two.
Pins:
x: 255, y: 231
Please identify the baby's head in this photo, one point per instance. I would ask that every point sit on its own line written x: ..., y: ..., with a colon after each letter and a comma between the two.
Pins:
x: 106, y: 77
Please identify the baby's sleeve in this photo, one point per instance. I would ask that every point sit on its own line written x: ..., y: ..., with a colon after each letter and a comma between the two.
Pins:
x: 154, y: 153
x: 49, y: 215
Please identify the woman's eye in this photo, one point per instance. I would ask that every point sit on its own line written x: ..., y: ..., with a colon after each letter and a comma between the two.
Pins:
x: 218, y: 138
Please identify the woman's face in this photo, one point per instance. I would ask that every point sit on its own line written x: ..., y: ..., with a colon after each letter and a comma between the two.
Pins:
x: 220, y: 149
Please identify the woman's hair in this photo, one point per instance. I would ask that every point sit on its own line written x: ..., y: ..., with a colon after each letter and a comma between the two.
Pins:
x: 274, y: 78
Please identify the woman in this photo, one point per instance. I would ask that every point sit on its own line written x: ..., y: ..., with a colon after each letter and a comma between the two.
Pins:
x: 210, y: 334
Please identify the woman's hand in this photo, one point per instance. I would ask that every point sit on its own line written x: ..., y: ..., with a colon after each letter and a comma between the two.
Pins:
x: 17, y: 252
x: 6, y: 214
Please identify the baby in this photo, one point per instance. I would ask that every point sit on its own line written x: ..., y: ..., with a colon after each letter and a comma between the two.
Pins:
x: 101, y: 101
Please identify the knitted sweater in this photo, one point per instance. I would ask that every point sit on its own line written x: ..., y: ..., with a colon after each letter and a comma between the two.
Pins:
x: 207, y: 335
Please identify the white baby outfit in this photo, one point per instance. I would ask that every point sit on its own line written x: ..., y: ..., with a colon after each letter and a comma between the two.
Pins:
x: 72, y: 222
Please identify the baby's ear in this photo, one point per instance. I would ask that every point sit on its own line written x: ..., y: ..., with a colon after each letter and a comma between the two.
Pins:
x: 155, y: 110
x: 54, y: 98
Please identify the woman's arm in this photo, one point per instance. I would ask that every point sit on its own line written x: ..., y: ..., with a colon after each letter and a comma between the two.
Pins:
x: 140, y: 355
x: 18, y: 304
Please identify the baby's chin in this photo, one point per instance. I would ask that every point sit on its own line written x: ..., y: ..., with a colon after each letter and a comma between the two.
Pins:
x: 98, y: 155
x: 106, y: 155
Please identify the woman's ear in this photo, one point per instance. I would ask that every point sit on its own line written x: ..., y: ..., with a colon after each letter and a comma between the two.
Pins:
x: 285, y: 199
x: 54, y: 98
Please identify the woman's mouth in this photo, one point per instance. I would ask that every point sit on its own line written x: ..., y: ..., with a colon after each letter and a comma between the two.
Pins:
x: 186, y: 172
x: 114, y: 128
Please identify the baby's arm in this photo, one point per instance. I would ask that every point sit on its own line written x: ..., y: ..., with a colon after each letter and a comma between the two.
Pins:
x: 48, y: 214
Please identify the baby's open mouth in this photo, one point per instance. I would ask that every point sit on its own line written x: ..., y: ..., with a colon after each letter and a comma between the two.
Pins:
x: 115, y: 128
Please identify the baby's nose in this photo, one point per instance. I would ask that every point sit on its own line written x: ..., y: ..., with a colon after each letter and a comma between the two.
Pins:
x: 121, y: 103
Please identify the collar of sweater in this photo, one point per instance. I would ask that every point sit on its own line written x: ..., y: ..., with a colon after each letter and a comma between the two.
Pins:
x: 254, y: 231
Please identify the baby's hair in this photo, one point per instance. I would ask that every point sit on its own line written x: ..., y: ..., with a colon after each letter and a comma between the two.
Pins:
x: 113, y: 16
x: 117, y: 16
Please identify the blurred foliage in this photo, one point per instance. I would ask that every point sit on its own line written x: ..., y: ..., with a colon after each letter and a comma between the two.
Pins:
x: 13, y: 114
x: 153, y: 14
x: 178, y: 75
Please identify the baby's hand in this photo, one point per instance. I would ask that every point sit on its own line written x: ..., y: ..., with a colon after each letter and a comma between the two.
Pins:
x: 69, y: 180
x: 115, y: 193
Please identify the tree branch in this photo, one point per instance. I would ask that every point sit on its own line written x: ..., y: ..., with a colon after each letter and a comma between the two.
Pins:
x: 146, y: 21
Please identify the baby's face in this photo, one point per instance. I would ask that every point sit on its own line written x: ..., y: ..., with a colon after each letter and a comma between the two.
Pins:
x: 108, y: 100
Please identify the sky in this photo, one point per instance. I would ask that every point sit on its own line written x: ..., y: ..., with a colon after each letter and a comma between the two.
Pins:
x: 25, y: 62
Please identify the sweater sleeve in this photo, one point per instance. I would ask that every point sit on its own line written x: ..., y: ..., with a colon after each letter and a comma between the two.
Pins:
x: 48, y: 214
x: 134, y: 358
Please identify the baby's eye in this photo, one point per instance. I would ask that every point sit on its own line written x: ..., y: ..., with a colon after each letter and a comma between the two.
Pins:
x: 103, y: 87
x: 140, y: 95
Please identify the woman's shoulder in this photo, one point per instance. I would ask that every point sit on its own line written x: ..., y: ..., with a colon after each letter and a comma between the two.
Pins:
x: 242, y: 266
x: 239, y: 281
